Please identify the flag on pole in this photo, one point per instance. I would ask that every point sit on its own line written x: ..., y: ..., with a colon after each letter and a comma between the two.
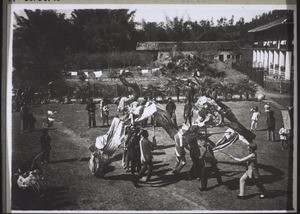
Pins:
x: 229, y: 138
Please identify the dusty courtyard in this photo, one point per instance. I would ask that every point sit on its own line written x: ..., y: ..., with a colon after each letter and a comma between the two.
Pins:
x: 71, y: 186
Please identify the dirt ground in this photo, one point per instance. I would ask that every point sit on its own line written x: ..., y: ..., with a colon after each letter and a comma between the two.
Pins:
x: 71, y: 186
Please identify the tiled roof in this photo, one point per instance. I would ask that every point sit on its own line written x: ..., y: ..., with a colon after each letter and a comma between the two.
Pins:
x: 200, y: 46
x: 272, y: 24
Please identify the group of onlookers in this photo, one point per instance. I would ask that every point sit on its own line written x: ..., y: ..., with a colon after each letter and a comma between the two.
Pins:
x: 137, y: 156
x: 270, y: 125
x: 28, y: 122
x: 104, y: 112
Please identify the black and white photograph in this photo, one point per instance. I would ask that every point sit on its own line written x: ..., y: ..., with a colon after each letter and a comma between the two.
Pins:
x: 152, y: 107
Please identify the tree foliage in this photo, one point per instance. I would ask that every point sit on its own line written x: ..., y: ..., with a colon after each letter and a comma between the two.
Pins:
x: 45, y: 42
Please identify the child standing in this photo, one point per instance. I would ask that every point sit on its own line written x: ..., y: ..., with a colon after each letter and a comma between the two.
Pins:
x: 254, y: 118
x: 283, y: 135
x: 45, y: 146
x: 31, y: 121
x: 105, y: 114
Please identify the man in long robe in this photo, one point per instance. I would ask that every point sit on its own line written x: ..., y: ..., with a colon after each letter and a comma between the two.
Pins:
x: 179, y: 149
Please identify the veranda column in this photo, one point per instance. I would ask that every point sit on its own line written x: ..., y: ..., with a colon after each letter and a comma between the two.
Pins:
x: 258, y: 58
x: 254, y: 58
x: 266, y: 60
x: 281, y: 62
x: 262, y: 58
x: 288, y: 65
x: 276, y: 61
x: 271, y: 61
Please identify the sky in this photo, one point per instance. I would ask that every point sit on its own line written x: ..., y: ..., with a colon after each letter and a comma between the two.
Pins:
x: 158, y: 12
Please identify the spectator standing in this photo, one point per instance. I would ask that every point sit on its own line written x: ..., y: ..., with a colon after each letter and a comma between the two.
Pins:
x: 251, y: 172
x: 31, y: 122
x: 105, y: 114
x: 254, y: 118
x: 271, y: 120
x: 191, y: 93
x: 146, y: 147
x: 45, y: 146
x: 91, y: 108
x: 125, y: 140
x: 193, y: 147
x: 170, y: 108
x: 283, y: 137
x: 24, y: 113
x: 134, y: 151
x: 188, y: 112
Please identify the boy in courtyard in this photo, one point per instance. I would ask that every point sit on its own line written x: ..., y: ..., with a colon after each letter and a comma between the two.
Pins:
x: 254, y: 118
x: 283, y: 137
x: 105, y: 114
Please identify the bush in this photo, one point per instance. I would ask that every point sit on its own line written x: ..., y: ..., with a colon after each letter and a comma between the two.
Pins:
x: 107, y: 60
x: 113, y: 74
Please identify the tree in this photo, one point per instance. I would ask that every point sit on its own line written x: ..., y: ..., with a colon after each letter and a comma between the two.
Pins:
x: 153, y: 31
x: 40, y: 43
x: 104, y: 30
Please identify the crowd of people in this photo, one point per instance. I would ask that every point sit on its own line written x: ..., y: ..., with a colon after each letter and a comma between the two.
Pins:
x: 137, y: 155
x: 283, y: 132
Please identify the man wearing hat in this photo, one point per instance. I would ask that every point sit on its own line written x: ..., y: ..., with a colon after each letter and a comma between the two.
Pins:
x: 91, y: 108
x: 251, y: 172
x: 191, y: 93
x: 179, y: 149
x: 170, y: 108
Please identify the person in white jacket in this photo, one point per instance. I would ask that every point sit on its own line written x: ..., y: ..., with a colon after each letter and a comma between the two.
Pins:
x: 251, y: 172
x: 283, y: 137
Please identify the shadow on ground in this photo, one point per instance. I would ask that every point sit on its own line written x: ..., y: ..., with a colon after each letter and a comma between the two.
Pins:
x: 54, y: 198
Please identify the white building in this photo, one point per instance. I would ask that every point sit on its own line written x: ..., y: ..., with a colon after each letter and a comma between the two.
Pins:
x: 273, y: 48
x: 220, y: 50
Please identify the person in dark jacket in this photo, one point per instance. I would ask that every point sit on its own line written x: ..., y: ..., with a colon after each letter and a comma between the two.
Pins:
x: 271, y: 121
x: 251, y: 172
x: 45, y: 146
x: 191, y: 93
x: 91, y: 108
x: 209, y: 165
x: 146, y: 147
x: 134, y: 151
x: 193, y: 147
x: 170, y: 108
x: 24, y: 112
x: 188, y: 112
